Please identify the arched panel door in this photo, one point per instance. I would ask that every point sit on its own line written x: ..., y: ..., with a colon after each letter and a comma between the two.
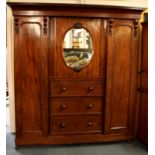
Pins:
x: 30, y: 58
x: 121, y: 82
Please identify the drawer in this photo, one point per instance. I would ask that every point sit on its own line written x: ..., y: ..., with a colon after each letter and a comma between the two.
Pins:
x: 76, y: 88
x: 63, y: 106
x: 76, y: 124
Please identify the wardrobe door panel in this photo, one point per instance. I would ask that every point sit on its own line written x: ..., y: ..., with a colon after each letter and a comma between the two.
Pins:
x: 121, y: 71
x: 30, y: 77
x: 121, y: 80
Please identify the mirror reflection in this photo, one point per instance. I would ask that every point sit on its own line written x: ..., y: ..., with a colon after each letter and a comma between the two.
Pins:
x: 77, y: 48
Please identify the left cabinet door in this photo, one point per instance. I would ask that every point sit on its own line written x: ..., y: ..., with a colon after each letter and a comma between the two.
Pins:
x: 31, y: 76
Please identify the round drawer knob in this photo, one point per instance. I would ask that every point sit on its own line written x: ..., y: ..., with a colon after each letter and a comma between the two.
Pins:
x: 90, y: 106
x: 63, y: 106
x: 63, y: 89
x: 63, y: 125
x: 89, y: 123
x: 91, y: 88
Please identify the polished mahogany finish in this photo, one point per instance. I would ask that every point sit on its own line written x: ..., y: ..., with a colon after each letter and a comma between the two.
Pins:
x: 143, y: 89
x: 74, y: 10
x: 96, y: 67
x: 122, y: 58
x: 58, y: 105
x: 76, y: 105
x: 81, y: 124
x: 30, y: 77
x: 80, y: 88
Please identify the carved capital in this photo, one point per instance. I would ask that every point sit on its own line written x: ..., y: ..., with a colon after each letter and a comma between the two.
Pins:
x: 45, y: 25
x: 77, y: 26
x: 135, y: 27
x: 16, y: 24
x: 111, y: 21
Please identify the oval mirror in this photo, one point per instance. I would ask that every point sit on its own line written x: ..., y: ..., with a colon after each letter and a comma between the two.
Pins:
x: 77, y: 48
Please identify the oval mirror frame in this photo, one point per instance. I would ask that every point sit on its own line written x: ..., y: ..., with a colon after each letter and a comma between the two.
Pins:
x: 77, y: 47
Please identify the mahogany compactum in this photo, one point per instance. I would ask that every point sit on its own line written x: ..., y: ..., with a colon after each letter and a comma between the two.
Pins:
x: 54, y: 103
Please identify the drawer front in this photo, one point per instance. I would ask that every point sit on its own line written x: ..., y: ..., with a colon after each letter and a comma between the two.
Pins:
x: 63, y: 106
x: 76, y: 88
x: 76, y: 124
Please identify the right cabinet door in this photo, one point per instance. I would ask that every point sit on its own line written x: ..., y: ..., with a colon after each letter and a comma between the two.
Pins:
x: 121, y: 80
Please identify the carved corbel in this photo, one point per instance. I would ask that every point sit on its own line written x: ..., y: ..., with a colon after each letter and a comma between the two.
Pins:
x: 135, y: 27
x: 45, y: 25
x: 16, y: 24
x: 111, y: 21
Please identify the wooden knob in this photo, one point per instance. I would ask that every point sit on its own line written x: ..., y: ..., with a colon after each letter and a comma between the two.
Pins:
x: 89, y: 123
x: 63, y: 89
x: 90, y: 106
x: 63, y: 106
x: 91, y: 88
x: 63, y: 125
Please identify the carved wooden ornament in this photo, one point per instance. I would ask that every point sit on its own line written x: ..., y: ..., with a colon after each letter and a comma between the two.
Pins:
x: 16, y: 25
x: 110, y: 25
x: 135, y: 27
x: 45, y: 25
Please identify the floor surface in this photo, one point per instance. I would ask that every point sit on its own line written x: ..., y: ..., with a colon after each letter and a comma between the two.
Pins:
x: 117, y: 148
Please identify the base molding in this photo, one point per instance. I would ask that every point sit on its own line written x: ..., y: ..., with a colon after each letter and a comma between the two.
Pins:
x: 72, y: 139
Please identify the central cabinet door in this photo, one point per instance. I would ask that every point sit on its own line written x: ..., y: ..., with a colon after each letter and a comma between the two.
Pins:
x: 59, y: 28
x: 76, y: 94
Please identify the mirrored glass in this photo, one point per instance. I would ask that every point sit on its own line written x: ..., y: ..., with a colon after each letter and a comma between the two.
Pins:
x: 77, y: 48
